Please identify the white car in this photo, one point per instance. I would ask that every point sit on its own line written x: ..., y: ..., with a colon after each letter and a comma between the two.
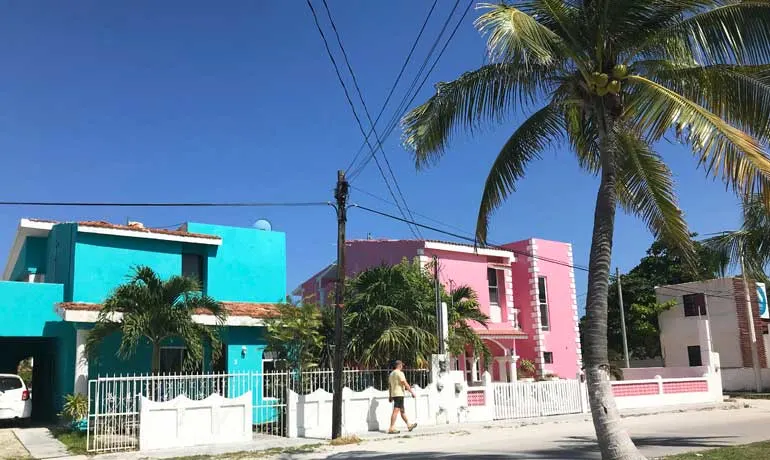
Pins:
x: 15, y: 398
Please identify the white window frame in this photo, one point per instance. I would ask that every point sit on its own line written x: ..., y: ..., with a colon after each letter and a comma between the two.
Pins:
x: 495, y: 310
x: 545, y: 322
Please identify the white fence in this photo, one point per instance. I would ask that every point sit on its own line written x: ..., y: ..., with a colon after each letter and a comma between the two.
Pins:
x: 636, y: 394
x: 362, y: 411
x: 115, y: 402
x: 214, y: 420
x: 538, y: 399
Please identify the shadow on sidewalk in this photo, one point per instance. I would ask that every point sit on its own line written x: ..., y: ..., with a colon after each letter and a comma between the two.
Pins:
x: 573, y: 447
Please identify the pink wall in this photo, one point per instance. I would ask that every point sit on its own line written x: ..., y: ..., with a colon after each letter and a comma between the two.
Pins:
x: 363, y: 254
x: 522, y: 299
x: 561, y: 338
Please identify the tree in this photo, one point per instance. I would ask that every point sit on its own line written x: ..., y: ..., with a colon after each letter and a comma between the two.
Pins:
x: 295, y: 335
x: 662, y: 265
x: 391, y: 314
x: 610, y: 78
x: 157, y: 310
x: 751, y: 242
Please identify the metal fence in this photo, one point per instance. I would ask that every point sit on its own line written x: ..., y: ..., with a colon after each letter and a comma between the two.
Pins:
x: 114, y: 402
x: 537, y: 399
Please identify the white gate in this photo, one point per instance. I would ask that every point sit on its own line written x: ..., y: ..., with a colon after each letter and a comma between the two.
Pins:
x: 537, y: 399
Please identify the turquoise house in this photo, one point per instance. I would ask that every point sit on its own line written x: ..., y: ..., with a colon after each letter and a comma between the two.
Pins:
x: 58, y: 274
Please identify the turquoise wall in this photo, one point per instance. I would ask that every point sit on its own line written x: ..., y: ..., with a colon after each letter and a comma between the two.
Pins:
x: 249, y: 266
x: 32, y: 258
x: 64, y: 367
x: 60, y: 257
x: 103, y: 262
x: 25, y: 308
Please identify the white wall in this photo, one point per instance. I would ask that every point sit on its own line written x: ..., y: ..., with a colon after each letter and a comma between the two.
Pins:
x: 642, y: 373
x: 183, y: 422
x: 662, y: 398
x: 742, y: 379
x: 677, y: 331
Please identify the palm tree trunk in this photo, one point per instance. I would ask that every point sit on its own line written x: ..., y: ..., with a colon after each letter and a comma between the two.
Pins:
x: 614, y: 442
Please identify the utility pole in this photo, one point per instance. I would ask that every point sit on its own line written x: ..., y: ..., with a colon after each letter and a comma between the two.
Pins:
x: 341, y: 197
x: 752, y: 331
x: 622, y: 317
x: 439, y: 312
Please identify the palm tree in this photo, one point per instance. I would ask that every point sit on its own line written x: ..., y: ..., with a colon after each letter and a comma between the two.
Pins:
x: 608, y: 79
x: 149, y: 308
x: 391, y: 314
x: 462, y: 309
x: 748, y: 246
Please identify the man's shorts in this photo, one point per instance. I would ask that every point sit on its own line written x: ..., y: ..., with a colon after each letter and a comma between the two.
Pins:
x: 398, y: 402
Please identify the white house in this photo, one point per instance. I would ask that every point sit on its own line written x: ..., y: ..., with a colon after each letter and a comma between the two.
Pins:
x: 711, y: 316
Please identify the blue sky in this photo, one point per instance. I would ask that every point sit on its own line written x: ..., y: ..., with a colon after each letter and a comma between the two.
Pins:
x: 237, y: 101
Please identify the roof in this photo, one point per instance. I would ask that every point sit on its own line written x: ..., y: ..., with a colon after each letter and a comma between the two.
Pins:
x: 133, y: 228
x: 495, y: 251
x: 249, y: 309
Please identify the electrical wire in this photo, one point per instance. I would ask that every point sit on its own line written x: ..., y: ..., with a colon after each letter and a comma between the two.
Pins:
x: 345, y: 57
x: 533, y: 256
x: 395, y: 83
x: 402, y: 109
x: 347, y: 95
x: 114, y: 204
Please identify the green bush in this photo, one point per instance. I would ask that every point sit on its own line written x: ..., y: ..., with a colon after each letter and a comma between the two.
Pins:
x: 75, y: 407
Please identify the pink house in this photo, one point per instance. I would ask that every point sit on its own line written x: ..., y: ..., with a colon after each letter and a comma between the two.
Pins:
x: 527, y: 289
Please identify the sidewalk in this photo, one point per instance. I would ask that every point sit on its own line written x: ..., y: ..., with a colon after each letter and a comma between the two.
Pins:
x: 276, y: 445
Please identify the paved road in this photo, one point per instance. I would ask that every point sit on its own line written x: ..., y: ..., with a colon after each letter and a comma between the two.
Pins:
x: 656, y: 435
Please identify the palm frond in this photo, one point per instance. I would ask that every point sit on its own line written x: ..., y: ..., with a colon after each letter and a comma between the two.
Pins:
x: 516, y: 37
x: 737, y: 32
x: 646, y: 189
x: 733, y: 93
x: 721, y: 148
x: 469, y: 102
x: 524, y: 145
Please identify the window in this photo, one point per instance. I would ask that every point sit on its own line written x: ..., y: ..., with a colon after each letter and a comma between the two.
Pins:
x: 694, y: 304
x: 172, y: 360
x: 545, y: 322
x: 548, y: 357
x: 10, y: 383
x: 192, y: 267
x: 494, y: 297
x: 693, y: 355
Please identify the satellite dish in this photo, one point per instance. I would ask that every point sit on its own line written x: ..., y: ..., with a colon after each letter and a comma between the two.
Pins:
x: 263, y: 224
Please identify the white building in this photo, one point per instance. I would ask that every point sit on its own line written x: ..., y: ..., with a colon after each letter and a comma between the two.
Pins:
x: 711, y: 316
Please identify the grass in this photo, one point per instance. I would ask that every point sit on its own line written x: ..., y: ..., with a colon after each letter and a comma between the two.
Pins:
x: 756, y: 451
x: 75, y: 441
x: 345, y: 440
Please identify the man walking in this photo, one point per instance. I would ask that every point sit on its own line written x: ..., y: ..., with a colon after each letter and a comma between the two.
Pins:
x: 397, y: 387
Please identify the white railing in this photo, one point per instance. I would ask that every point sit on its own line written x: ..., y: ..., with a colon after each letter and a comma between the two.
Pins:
x: 537, y: 399
x: 113, y: 422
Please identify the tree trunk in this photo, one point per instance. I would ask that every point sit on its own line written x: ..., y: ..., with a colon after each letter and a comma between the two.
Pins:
x: 155, y: 358
x: 614, y: 441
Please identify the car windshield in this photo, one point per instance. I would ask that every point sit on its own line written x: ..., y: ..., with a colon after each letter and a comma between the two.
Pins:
x: 9, y: 383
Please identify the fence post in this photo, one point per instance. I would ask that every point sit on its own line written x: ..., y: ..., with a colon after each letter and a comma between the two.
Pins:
x: 659, y: 380
x: 583, y: 392
x: 292, y: 400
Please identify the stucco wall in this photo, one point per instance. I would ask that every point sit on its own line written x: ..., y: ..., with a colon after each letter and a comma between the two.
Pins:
x: 522, y: 299
x: 249, y: 266
x: 363, y: 254
x: 677, y: 331
x: 25, y: 308
x: 103, y: 262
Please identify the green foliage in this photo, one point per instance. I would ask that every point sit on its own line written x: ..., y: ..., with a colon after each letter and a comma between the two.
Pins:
x: 751, y: 242
x: 157, y: 310
x: 661, y: 266
x: 24, y: 370
x: 75, y: 407
x: 390, y: 313
x: 295, y: 335
x: 527, y: 368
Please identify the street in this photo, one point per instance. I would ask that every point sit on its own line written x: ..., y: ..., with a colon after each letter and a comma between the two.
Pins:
x: 656, y: 435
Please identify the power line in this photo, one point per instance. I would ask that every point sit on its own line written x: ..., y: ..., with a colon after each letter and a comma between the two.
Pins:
x: 113, y: 204
x: 396, y: 113
x: 395, y: 83
x: 402, y: 108
x: 526, y: 254
x: 371, y: 122
x: 345, y: 89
